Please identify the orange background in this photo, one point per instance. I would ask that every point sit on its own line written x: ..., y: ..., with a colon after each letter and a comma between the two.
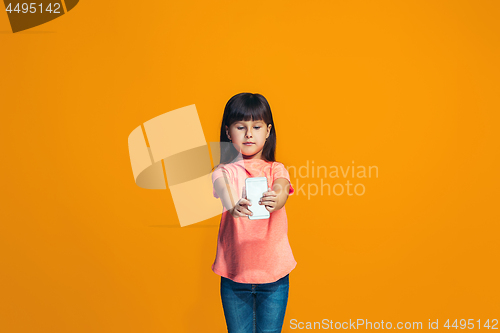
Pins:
x: 411, y: 87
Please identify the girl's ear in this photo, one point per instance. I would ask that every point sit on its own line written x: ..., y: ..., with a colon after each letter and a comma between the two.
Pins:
x: 269, y: 130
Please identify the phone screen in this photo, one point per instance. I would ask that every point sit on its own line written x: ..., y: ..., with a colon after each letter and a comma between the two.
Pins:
x: 255, y: 188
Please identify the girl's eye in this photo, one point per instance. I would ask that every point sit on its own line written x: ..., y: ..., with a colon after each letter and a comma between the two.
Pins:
x: 257, y: 127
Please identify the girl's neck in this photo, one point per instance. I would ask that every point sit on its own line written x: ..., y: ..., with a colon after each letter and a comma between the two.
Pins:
x: 252, y: 160
x: 256, y: 156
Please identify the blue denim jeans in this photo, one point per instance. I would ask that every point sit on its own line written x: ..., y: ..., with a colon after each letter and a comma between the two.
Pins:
x: 254, y: 308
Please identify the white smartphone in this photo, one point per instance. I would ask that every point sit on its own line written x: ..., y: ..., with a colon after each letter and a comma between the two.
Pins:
x: 255, y: 188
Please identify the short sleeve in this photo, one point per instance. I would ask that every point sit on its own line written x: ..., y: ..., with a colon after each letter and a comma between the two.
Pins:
x: 218, y: 172
x: 279, y: 171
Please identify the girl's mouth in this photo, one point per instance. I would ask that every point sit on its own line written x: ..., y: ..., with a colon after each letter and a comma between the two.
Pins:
x: 249, y: 144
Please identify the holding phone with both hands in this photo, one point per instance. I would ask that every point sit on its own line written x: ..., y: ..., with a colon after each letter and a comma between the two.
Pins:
x: 255, y: 188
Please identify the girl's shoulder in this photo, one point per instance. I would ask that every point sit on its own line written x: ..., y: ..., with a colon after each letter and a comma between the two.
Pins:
x: 219, y: 169
x: 278, y: 165
x: 223, y: 166
x: 279, y: 170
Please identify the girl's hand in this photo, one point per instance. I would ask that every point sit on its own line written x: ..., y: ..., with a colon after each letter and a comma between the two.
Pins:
x: 241, y: 207
x: 270, y: 200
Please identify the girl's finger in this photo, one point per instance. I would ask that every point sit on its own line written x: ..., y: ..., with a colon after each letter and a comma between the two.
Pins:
x: 239, y: 213
x: 243, y: 210
x: 245, y: 202
x: 246, y: 211
x: 269, y: 199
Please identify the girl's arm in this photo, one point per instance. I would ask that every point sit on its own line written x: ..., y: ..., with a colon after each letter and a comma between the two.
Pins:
x: 281, y: 186
x: 236, y: 206
x: 277, y: 196
x: 226, y: 192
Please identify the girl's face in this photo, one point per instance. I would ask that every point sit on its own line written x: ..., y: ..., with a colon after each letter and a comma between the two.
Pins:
x: 249, y: 137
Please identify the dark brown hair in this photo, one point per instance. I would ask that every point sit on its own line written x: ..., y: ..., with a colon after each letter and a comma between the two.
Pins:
x: 247, y: 107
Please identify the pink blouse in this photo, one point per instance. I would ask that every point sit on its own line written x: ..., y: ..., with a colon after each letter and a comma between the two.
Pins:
x: 253, y: 251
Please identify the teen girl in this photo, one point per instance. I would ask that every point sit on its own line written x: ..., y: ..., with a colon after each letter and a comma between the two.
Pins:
x: 253, y: 257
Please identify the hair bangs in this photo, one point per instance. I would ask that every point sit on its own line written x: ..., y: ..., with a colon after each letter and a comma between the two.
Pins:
x: 251, y: 109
